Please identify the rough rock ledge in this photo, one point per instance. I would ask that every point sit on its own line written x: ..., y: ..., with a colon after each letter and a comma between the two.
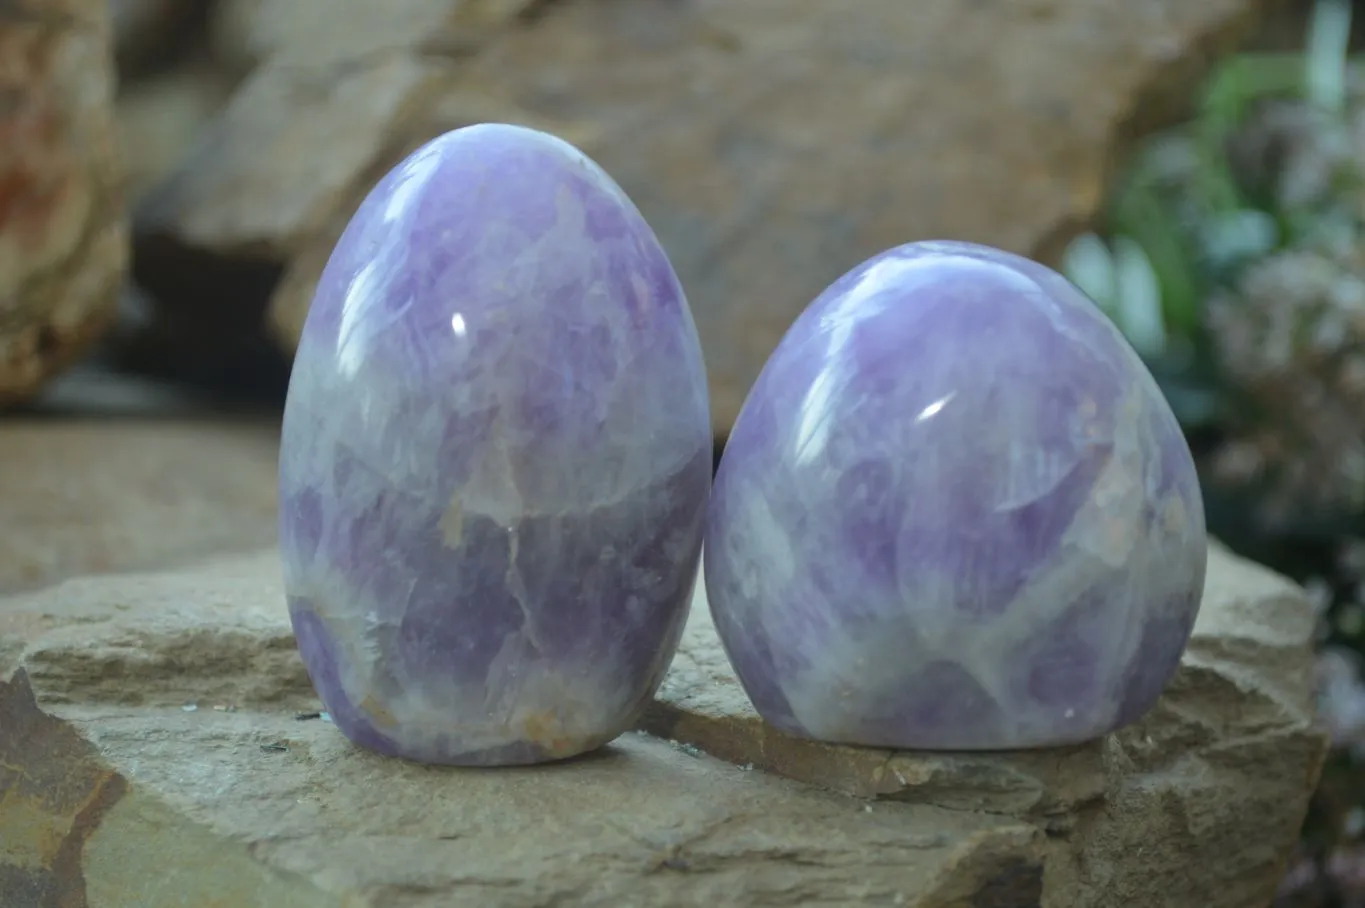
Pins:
x: 159, y: 746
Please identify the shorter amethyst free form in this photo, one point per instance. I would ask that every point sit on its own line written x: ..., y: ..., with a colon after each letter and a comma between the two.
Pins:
x: 955, y: 512
x: 496, y: 457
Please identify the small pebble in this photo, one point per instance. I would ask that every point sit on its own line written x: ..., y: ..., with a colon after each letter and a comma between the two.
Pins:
x: 689, y: 749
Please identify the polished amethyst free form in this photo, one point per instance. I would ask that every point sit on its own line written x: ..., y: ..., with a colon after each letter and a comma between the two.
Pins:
x: 955, y: 512
x: 496, y: 458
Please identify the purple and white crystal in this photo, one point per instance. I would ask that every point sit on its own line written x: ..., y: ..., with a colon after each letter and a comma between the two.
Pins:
x: 955, y: 512
x: 495, y: 460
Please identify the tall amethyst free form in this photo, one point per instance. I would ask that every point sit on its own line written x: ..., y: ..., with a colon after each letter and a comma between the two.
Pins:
x: 496, y: 458
x: 955, y: 512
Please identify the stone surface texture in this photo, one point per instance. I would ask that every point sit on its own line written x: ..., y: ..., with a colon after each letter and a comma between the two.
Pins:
x: 246, y: 33
x: 773, y: 144
x: 159, y: 119
x: 148, y: 34
x: 152, y: 757
x: 63, y: 236
x: 955, y: 512
x: 1199, y: 803
x: 496, y: 458
x: 86, y: 495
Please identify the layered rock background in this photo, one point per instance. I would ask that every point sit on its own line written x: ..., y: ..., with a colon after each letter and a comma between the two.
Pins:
x: 63, y: 237
x: 148, y: 686
x: 772, y: 144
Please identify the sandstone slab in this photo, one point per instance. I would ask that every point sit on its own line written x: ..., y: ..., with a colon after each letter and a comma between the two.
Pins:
x: 148, y: 724
x: 1200, y: 803
x: 93, y: 495
x: 773, y: 144
x: 63, y: 238
x: 154, y: 723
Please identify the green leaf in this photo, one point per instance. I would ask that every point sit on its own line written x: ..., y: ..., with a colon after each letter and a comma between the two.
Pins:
x: 1325, y: 63
x: 1141, y: 214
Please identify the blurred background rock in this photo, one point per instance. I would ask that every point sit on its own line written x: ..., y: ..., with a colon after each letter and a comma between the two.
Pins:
x: 173, y: 175
x: 772, y: 143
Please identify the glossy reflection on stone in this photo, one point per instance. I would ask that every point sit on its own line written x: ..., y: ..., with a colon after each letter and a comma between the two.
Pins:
x: 955, y: 512
x: 496, y: 458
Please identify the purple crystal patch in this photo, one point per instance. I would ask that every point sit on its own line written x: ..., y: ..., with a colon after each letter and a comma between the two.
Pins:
x: 495, y: 460
x: 955, y: 512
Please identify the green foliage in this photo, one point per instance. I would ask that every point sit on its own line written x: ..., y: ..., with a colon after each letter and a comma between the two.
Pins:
x: 1182, y: 227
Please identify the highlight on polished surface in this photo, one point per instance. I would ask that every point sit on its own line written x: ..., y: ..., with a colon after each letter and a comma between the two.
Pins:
x: 955, y: 512
x: 495, y: 459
